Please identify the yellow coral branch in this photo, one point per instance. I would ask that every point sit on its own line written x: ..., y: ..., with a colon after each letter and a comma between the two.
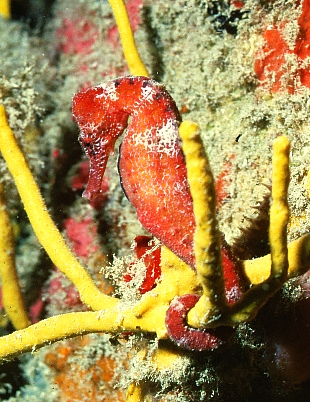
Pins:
x: 56, y: 328
x: 147, y: 316
x: 207, y: 247
x: 212, y: 310
x: 279, y: 210
x: 133, y: 59
x: 43, y: 225
x: 258, y: 270
x: 257, y: 296
x: 12, y: 297
x: 5, y: 8
x: 134, y: 393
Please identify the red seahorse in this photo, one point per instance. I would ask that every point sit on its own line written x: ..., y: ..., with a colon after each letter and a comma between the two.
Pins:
x: 151, y: 165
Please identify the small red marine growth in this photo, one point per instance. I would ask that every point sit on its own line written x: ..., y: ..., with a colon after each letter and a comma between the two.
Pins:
x: 151, y: 165
x: 270, y: 65
x: 150, y: 254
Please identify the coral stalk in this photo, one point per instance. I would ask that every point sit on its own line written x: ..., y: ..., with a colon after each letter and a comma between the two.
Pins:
x: 206, y: 313
x: 43, y: 225
x: 256, y: 297
x: 134, y: 393
x: 279, y: 210
x: 133, y: 59
x: 12, y: 297
x: 5, y: 8
x: 207, y: 246
x: 56, y: 328
x: 258, y: 270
